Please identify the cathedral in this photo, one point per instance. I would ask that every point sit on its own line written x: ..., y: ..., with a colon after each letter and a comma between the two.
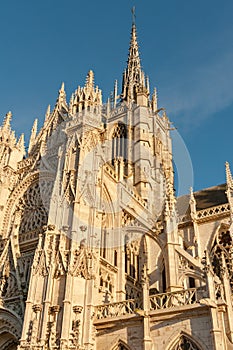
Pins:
x: 96, y: 251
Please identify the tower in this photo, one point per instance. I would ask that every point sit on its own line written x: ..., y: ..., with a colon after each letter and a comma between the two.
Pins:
x: 96, y: 251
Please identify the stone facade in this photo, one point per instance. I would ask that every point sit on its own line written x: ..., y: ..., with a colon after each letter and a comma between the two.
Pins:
x: 97, y: 253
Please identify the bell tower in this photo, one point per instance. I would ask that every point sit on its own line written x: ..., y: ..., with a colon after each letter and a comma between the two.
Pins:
x: 111, y: 168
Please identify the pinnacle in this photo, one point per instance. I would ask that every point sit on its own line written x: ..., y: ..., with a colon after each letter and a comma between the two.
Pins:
x: 20, y: 143
x: 192, y: 198
x: 48, y: 111
x: 7, y: 121
x: 228, y: 175
x: 61, y: 100
x: 33, y: 135
x: 34, y: 128
x: 62, y: 89
x: 90, y: 80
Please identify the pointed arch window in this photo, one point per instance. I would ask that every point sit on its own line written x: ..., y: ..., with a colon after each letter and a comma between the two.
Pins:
x: 119, y: 145
x: 132, y: 258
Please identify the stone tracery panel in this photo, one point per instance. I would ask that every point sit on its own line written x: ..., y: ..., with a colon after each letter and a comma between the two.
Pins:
x: 185, y: 343
x: 35, y: 205
x: 223, y: 250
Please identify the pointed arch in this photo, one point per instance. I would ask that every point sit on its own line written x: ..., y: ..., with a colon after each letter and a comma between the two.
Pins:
x: 183, y: 341
x: 10, y: 329
x: 108, y: 205
x: 107, y: 234
x: 119, y: 146
x: 191, y: 279
x: 161, y: 265
x: 121, y: 345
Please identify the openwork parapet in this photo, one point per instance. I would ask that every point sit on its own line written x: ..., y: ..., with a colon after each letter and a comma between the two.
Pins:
x: 174, y: 299
x: 214, y: 211
x: 120, y: 308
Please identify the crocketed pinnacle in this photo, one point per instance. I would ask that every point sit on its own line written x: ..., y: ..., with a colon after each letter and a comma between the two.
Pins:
x: 90, y: 81
x: 133, y: 77
x: 88, y: 97
x: 7, y: 135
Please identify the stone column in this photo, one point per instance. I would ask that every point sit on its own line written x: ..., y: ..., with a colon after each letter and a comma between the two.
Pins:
x: 66, y: 322
x: 147, y: 341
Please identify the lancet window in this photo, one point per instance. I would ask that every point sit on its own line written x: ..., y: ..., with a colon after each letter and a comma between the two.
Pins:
x: 119, y: 145
x: 103, y: 244
x: 222, y: 254
x: 132, y: 258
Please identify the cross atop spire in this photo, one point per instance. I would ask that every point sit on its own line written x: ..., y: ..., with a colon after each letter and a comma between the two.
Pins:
x: 133, y: 16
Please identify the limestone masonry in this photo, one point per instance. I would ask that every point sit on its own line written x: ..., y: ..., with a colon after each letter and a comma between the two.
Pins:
x: 96, y: 251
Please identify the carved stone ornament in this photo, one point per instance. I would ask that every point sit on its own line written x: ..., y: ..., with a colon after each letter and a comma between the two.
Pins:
x: 83, y: 263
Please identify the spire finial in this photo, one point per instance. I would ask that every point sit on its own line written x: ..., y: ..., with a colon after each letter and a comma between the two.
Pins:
x: 90, y: 80
x: 133, y: 16
x: 62, y: 87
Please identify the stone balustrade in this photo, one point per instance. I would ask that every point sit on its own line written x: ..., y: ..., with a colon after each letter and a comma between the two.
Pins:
x: 116, y: 309
x: 157, y: 302
x: 174, y: 299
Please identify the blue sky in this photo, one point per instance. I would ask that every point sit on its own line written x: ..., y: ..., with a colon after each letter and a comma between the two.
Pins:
x: 186, y: 49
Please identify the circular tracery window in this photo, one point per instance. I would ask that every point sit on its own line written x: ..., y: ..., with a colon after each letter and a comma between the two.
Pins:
x: 34, y: 209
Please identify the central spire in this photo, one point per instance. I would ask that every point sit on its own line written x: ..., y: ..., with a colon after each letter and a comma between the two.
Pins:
x: 133, y: 83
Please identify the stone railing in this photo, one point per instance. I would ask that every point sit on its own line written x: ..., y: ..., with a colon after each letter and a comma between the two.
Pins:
x: 157, y: 302
x: 214, y: 211
x: 116, y: 309
x: 206, y: 213
x: 174, y: 299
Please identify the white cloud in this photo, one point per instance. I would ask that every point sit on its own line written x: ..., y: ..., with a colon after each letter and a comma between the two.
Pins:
x: 207, y: 90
